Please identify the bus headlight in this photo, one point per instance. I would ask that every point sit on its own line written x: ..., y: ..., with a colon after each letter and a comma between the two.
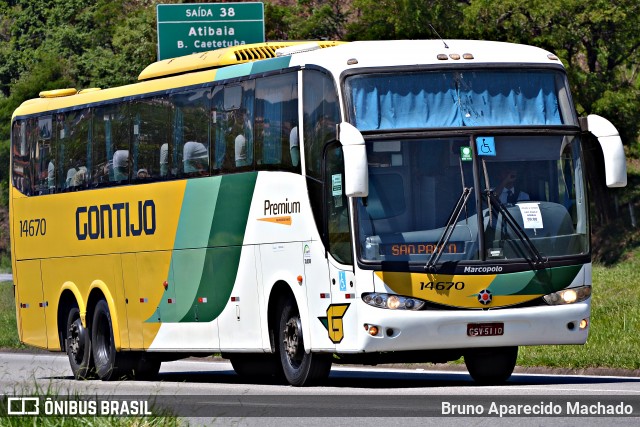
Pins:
x: 392, y: 301
x: 568, y: 296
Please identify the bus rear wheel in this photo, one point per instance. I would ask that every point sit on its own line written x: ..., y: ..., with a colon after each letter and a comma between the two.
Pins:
x: 491, y: 366
x: 78, y: 346
x: 299, y: 368
x: 110, y: 364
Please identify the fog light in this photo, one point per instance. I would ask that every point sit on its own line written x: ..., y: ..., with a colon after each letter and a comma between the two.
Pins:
x: 584, y: 323
x: 373, y: 330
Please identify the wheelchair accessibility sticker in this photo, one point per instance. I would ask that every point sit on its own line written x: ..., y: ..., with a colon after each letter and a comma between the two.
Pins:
x: 486, y: 146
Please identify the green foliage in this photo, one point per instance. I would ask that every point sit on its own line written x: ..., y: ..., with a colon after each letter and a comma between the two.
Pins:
x: 277, y: 21
x: 598, y: 41
x: 405, y: 19
x: 317, y: 20
x: 8, y: 325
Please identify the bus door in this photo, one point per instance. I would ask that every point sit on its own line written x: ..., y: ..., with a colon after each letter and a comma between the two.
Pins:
x: 340, y: 248
x: 318, y: 286
x: 31, y: 304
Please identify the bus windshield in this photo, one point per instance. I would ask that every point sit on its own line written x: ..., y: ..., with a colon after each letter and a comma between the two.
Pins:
x: 460, y: 98
x: 528, y: 190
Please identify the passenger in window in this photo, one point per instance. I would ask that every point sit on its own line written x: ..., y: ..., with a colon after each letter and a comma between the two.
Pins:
x: 241, y: 151
x: 164, y: 160
x: 51, y: 177
x: 70, y: 182
x: 196, y: 158
x: 506, y: 190
x: 242, y: 142
x: 121, y: 165
x: 143, y: 174
x: 80, y: 177
x: 100, y: 175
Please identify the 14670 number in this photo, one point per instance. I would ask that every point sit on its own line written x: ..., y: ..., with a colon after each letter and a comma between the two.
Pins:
x: 33, y: 227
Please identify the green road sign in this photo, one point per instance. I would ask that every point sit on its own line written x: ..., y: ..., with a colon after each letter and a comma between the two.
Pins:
x: 188, y: 28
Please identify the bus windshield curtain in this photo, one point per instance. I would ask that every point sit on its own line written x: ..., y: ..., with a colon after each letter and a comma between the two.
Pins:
x: 454, y: 99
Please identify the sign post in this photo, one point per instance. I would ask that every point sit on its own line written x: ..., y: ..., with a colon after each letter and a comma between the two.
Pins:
x: 184, y: 29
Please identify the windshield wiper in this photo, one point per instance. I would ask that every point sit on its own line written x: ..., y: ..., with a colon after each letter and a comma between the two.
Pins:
x: 448, y: 229
x: 537, y: 260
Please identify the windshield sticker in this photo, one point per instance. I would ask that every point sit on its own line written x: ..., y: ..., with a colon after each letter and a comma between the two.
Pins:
x: 336, y: 185
x: 531, y: 215
x: 486, y: 146
x: 465, y: 154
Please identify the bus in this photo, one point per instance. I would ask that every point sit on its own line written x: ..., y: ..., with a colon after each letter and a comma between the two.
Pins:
x: 293, y: 205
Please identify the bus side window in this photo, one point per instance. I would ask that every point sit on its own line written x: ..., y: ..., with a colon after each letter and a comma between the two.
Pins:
x: 44, y: 168
x: 321, y: 114
x: 74, y: 150
x: 189, y: 152
x: 21, y: 156
x: 101, y: 146
x: 337, y: 206
x: 276, y: 114
x: 232, y: 113
x: 151, y: 130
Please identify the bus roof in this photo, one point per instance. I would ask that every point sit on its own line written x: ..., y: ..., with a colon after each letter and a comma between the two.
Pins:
x: 248, y: 59
x: 222, y: 57
x: 425, y: 52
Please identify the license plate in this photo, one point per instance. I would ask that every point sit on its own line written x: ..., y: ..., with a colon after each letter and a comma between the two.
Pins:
x: 485, y: 329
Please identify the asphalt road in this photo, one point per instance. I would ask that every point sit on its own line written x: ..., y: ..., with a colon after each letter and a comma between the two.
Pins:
x: 210, y: 393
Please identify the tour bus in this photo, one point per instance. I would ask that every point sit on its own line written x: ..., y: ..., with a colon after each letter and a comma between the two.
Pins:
x: 293, y: 205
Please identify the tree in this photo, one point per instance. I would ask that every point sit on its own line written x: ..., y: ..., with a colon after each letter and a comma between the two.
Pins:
x: 598, y: 42
x: 405, y: 19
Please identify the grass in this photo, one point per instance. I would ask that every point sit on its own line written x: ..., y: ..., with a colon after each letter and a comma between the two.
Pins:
x: 614, y: 338
x: 8, y: 326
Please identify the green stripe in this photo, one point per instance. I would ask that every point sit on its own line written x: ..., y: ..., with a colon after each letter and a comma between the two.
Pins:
x: 257, y: 67
x: 270, y: 64
x: 213, y: 220
x: 539, y: 282
x: 233, y: 71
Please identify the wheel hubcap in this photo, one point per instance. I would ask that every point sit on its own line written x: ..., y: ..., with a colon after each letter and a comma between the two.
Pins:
x: 293, y: 339
x: 75, y: 341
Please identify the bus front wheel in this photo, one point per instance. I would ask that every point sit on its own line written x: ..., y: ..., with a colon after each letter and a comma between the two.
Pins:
x: 110, y: 364
x: 299, y: 368
x: 491, y: 366
x: 78, y: 346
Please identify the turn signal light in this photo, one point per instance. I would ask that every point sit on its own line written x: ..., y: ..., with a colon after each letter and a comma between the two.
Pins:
x: 584, y: 323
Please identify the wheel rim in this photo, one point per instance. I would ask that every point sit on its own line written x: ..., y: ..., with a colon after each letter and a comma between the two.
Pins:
x: 75, y: 340
x: 293, y: 343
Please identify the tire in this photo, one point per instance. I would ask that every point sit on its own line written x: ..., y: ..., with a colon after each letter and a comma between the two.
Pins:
x: 491, y: 366
x: 257, y: 365
x: 110, y: 365
x: 78, y: 346
x: 299, y: 368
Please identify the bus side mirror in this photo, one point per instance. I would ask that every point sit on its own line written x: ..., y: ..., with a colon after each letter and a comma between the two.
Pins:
x: 615, y: 164
x: 356, y: 171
